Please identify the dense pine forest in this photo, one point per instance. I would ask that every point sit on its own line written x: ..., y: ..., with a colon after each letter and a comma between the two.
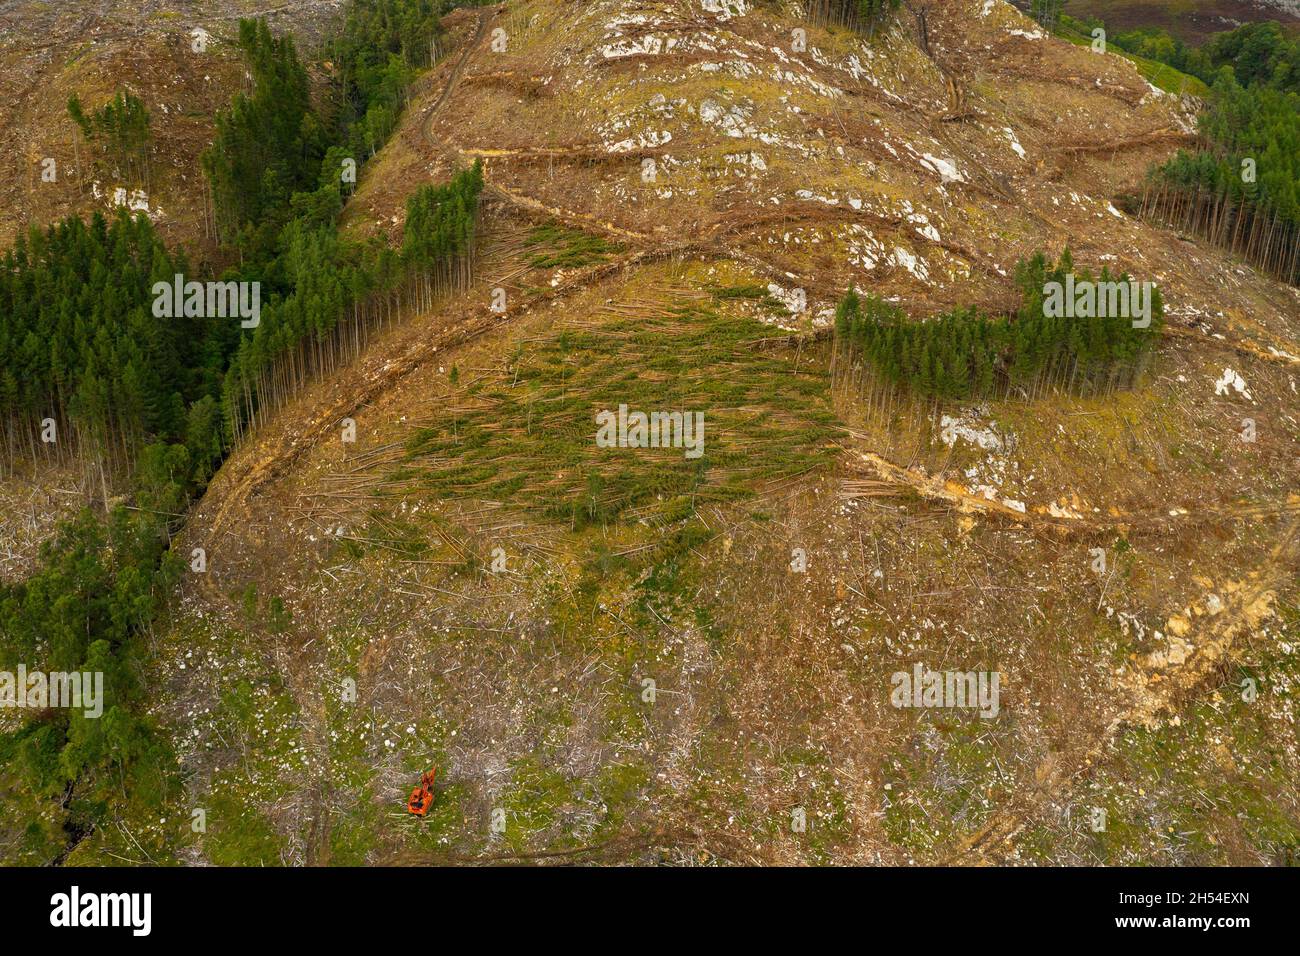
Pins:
x: 964, y: 354
x: 87, y: 371
x: 86, y: 609
x: 267, y: 148
x: 375, y: 55
x: 92, y: 375
x: 278, y: 205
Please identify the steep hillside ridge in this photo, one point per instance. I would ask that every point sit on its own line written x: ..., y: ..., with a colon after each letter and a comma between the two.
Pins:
x: 827, y: 158
x: 951, y: 537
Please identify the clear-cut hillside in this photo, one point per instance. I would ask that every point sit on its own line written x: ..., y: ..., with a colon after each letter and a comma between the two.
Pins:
x: 620, y: 659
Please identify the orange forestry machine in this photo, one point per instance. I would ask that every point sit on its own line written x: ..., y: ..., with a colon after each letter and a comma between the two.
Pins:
x: 422, y: 796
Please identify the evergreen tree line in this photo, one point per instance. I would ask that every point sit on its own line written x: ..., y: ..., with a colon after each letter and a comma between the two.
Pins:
x: 1241, y: 187
x: 861, y: 15
x: 87, y: 372
x: 268, y: 145
x: 83, y: 360
x: 80, y: 344
x: 271, y: 141
x: 438, y: 237
x: 381, y: 44
x: 80, y: 349
x: 118, y: 132
x: 343, y: 292
x: 324, y: 296
x: 964, y: 354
